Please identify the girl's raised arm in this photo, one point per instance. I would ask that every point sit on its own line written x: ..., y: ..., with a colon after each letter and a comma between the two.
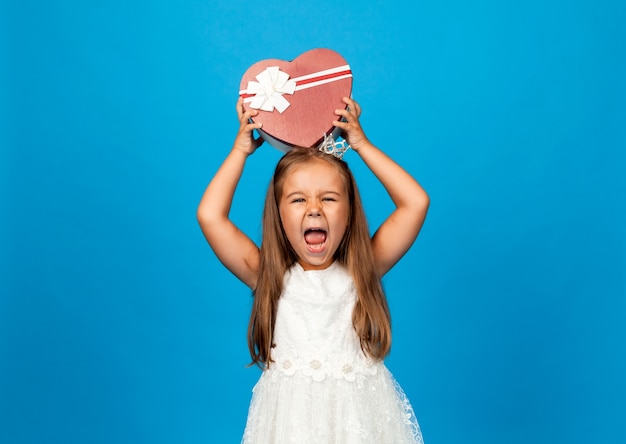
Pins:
x: 233, y: 248
x: 398, y: 232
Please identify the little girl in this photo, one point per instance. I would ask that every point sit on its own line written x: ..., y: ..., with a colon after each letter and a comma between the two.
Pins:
x: 320, y: 325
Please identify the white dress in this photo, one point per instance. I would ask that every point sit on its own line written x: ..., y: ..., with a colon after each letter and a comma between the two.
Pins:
x: 321, y: 388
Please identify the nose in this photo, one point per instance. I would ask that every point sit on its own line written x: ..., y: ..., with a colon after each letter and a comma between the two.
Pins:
x: 313, y: 210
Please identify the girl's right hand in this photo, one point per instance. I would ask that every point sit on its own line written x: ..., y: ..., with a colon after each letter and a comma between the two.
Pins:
x: 245, y: 141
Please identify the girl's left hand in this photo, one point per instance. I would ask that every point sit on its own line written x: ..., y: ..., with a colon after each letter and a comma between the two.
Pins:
x: 350, y: 124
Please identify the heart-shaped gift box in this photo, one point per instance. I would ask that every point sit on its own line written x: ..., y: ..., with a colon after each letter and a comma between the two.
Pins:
x: 297, y: 99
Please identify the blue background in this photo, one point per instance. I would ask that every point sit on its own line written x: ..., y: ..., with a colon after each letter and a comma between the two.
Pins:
x: 119, y: 325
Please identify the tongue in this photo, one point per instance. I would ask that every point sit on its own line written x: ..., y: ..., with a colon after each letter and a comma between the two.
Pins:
x: 314, y: 237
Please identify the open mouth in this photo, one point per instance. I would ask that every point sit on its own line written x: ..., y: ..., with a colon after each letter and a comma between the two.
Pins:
x: 315, y: 239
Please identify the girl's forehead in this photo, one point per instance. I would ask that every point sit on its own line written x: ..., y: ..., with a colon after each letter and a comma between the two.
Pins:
x: 313, y: 173
x: 311, y: 164
x: 316, y: 168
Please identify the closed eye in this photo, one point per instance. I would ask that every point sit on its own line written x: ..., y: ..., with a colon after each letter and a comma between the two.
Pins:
x: 297, y: 200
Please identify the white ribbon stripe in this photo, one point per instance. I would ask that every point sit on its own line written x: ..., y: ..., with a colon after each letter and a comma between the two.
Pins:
x: 268, y: 91
x: 324, y: 73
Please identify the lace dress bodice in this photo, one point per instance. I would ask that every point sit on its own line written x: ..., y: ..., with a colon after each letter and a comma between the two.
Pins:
x: 313, y: 333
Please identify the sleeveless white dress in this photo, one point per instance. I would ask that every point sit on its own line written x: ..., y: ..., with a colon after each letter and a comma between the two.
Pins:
x: 321, y: 388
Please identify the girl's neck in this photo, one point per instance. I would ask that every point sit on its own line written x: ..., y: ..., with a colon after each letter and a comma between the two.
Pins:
x: 306, y: 266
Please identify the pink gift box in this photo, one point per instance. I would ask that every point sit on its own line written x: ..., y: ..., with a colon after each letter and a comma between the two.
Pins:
x: 297, y: 99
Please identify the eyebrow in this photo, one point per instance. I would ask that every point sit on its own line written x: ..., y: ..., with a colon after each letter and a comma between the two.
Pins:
x: 323, y: 192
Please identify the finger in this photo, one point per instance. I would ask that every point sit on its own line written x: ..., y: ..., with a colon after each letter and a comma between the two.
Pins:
x: 341, y: 124
x: 254, y: 125
x: 249, y: 127
x: 240, y: 109
x: 348, y: 117
x: 245, y: 117
x: 348, y: 101
x: 353, y: 106
x: 345, y: 113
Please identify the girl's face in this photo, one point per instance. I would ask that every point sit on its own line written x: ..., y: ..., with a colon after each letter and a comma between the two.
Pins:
x: 314, y: 210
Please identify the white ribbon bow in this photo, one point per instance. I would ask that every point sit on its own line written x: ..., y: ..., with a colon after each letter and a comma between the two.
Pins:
x: 268, y: 91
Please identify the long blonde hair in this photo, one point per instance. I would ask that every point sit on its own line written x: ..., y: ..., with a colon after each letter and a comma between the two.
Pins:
x: 370, y: 316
